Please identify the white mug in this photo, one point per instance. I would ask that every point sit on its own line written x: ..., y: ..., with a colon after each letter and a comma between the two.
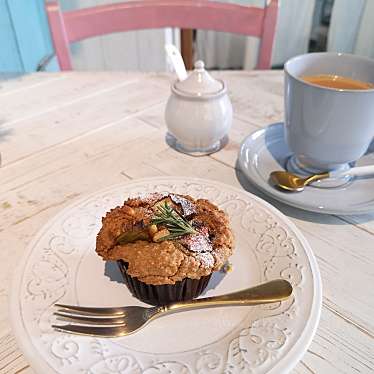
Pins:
x: 327, y: 128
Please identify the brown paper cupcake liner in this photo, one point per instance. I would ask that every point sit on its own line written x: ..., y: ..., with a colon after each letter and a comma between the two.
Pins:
x: 186, y: 289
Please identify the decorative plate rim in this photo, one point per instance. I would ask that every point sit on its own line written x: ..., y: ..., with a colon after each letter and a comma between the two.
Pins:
x: 285, y: 364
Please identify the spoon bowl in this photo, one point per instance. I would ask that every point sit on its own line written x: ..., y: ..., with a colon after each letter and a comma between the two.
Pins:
x: 293, y: 183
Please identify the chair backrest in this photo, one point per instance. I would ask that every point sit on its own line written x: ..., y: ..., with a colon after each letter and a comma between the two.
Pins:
x: 72, y: 26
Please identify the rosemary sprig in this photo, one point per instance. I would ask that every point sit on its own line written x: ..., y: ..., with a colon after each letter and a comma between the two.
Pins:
x: 173, y: 221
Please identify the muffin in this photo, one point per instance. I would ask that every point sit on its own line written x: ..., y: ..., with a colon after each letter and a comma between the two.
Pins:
x: 166, y: 245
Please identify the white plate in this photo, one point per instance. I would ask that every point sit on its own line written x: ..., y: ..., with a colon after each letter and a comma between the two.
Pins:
x: 61, y: 266
x: 266, y: 150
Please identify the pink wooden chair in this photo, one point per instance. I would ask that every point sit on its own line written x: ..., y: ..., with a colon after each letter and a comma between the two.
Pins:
x: 73, y: 26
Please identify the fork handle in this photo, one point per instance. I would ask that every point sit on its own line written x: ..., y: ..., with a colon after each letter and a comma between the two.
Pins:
x: 269, y: 292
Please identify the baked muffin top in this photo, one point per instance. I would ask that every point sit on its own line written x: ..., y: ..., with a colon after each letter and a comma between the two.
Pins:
x: 165, y: 238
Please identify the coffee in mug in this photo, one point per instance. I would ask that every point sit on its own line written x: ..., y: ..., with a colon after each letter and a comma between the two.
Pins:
x: 337, y: 81
x: 327, y: 127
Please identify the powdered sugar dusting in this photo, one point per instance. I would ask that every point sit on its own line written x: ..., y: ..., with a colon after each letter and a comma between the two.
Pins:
x: 152, y: 198
x: 188, y: 207
x: 206, y: 259
x: 197, y: 243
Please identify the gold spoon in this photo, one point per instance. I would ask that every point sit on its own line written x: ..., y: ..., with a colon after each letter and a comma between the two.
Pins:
x: 291, y: 182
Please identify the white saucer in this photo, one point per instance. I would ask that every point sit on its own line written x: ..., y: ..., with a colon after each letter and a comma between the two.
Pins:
x: 61, y: 265
x: 265, y: 151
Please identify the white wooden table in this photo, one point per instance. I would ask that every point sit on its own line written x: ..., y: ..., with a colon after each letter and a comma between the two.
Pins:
x: 68, y: 134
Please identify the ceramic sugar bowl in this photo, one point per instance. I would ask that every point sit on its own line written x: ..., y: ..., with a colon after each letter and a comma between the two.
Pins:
x: 198, y: 114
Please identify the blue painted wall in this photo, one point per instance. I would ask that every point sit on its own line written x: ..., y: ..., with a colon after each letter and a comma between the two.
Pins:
x: 24, y: 35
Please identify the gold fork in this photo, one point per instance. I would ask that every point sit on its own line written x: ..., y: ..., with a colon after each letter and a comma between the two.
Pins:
x: 122, y: 321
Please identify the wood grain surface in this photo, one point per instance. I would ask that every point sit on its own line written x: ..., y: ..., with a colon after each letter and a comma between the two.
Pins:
x: 63, y: 135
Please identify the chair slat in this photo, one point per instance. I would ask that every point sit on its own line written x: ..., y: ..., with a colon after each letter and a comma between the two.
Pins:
x: 84, y: 23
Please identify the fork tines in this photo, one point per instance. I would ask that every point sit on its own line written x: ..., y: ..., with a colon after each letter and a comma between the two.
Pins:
x: 102, y: 331
x: 90, y: 320
x: 82, y: 310
x: 105, y: 322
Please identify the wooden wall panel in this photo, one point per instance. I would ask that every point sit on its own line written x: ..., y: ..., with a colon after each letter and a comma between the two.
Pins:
x: 10, y: 59
x: 30, y: 27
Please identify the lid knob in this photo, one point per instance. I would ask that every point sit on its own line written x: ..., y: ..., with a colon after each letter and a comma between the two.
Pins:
x: 199, y: 82
x: 199, y: 65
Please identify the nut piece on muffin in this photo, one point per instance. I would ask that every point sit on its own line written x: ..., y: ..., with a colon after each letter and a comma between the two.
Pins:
x: 166, y: 245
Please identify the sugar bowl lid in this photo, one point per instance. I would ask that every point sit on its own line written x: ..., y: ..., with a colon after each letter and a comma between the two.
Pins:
x: 199, y: 83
